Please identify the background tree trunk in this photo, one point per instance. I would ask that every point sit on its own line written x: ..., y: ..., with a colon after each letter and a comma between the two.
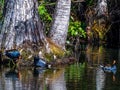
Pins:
x: 59, y: 28
x: 98, y: 22
x: 22, y: 26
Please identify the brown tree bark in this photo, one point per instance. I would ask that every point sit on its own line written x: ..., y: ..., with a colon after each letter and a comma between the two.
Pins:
x: 22, y: 26
x: 98, y: 22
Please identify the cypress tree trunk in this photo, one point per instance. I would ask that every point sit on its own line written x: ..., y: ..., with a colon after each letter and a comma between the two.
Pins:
x: 21, y: 27
x: 102, y: 9
x: 60, y: 24
x: 98, y: 22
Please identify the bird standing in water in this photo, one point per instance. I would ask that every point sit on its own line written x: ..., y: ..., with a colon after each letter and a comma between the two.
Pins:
x: 109, y: 68
x: 13, y: 54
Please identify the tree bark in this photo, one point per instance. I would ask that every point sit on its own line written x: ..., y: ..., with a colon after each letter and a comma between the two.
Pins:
x: 102, y: 9
x: 98, y: 22
x: 22, y: 26
x: 58, y: 32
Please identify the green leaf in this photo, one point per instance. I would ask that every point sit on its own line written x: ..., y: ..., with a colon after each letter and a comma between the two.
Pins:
x: 75, y: 29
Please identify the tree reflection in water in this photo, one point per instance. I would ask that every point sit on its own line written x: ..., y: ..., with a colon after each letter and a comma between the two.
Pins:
x: 56, y: 80
x: 100, y: 79
x: 83, y: 75
x: 97, y: 55
x: 11, y: 79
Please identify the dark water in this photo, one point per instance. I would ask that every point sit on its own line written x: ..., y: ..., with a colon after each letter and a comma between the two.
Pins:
x: 83, y: 75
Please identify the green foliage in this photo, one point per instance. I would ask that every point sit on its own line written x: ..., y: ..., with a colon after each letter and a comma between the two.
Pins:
x: 1, y: 8
x: 45, y: 16
x: 76, y: 29
x: 90, y: 2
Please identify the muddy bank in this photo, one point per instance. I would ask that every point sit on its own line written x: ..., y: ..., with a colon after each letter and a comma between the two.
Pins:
x: 54, y: 63
x: 29, y: 63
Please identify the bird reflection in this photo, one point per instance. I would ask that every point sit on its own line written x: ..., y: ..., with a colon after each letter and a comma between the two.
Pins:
x: 38, y: 71
x: 13, y: 73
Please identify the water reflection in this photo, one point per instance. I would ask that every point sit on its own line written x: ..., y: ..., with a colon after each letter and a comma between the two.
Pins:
x: 100, y: 79
x: 86, y: 74
x: 12, y: 74
x: 98, y: 55
x: 75, y: 77
x: 10, y: 79
x: 95, y: 55
x: 38, y: 71
x: 56, y: 81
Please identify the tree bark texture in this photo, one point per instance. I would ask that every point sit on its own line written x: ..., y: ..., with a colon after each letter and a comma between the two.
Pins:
x: 21, y: 24
x: 60, y: 23
x: 102, y: 9
x: 98, y: 21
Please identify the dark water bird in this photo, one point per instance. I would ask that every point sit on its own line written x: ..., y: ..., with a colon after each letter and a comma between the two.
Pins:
x: 13, y: 54
x: 39, y: 62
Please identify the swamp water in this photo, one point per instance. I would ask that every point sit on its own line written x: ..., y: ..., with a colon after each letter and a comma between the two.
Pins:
x: 85, y: 74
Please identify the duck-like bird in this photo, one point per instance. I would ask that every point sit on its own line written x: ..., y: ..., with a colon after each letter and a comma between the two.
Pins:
x: 39, y: 62
x: 109, y: 68
x: 13, y: 55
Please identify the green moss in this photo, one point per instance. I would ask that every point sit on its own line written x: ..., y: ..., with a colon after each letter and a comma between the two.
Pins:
x: 55, y: 49
x: 49, y: 57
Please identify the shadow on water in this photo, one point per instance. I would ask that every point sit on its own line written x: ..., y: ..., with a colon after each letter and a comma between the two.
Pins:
x: 86, y: 74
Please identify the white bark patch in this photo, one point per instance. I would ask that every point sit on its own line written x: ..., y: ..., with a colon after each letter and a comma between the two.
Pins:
x: 102, y: 7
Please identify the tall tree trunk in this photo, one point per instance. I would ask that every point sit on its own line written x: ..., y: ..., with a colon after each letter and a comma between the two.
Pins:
x: 102, y: 9
x: 101, y: 24
x: 98, y: 21
x: 21, y: 26
x: 60, y: 24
